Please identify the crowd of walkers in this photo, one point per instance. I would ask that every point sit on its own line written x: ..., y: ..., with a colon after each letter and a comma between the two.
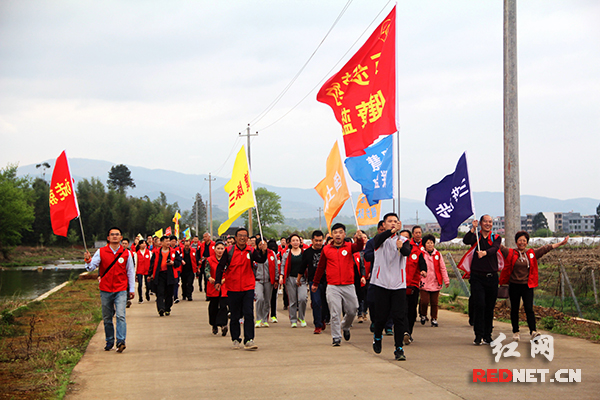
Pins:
x: 393, y: 279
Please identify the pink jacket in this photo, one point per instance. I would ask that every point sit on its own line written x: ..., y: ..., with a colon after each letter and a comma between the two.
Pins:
x: 436, y: 272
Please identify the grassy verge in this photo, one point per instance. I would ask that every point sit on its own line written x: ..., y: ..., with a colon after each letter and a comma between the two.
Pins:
x: 41, y: 342
x: 23, y: 256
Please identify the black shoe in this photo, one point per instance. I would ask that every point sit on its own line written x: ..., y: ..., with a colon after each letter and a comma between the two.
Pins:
x: 189, y: 299
x: 215, y: 330
x: 347, y: 335
x: 120, y: 347
x: 376, y: 345
x: 423, y: 319
x: 434, y: 323
x: 336, y: 342
x: 224, y: 331
x: 488, y: 340
x: 147, y: 298
x: 161, y: 312
x: 108, y: 346
x: 389, y: 331
x: 167, y: 313
x: 128, y: 304
x: 176, y: 301
x: 477, y: 341
x: 399, y: 354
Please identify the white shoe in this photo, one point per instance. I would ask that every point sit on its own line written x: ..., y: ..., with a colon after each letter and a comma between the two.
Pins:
x: 274, y: 320
x: 516, y: 337
x: 535, y: 335
x: 294, y: 325
x: 257, y: 324
x: 303, y: 323
x: 265, y: 324
x: 250, y: 345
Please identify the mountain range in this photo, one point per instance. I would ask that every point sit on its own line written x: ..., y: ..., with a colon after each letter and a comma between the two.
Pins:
x: 299, y: 206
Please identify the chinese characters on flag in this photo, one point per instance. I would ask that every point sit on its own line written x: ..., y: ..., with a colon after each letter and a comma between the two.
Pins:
x: 333, y: 188
x: 363, y: 93
x: 366, y: 214
x: 240, y: 191
x: 176, y: 219
x: 63, y: 200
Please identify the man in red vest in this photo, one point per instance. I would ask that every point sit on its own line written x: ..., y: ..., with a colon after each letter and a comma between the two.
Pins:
x: 206, y: 249
x: 236, y: 266
x: 117, y: 279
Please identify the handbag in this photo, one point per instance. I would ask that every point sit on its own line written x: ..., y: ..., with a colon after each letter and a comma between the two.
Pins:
x: 503, y: 292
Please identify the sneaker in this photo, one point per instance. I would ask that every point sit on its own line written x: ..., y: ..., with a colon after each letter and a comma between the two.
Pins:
x: 249, y: 345
x: 141, y: 301
x: 376, y: 344
x: 189, y: 299
x: 224, y: 331
x: 274, y: 320
x: 399, y: 354
x: 406, y: 340
x: 361, y: 319
x: 317, y: 331
x: 120, y: 347
x: 237, y: 345
x: 167, y: 313
x: 215, y: 330
x: 346, y: 335
x: 294, y: 325
x: 257, y: 324
x: 161, y: 312
x: 176, y: 301
x: 389, y: 331
x: 336, y: 342
x: 535, y: 335
x: 477, y: 341
x: 487, y: 340
x: 302, y: 323
x: 516, y: 337
x: 109, y: 346
x: 423, y: 319
x: 324, y: 326
x: 434, y: 323
x: 264, y: 324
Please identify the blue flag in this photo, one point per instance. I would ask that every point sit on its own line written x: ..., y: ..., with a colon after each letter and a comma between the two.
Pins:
x: 373, y: 170
x: 450, y: 200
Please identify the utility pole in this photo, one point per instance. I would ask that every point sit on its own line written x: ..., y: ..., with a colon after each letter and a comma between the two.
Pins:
x: 512, y: 192
x: 417, y: 223
x: 248, y: 134
x: 206, y: 208
x: 196, y: 204
x: 320, y: 210
x: 210, y: 200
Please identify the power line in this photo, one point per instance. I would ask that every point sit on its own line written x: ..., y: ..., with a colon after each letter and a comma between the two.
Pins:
x: 289, y: 85
x: 320, y: 83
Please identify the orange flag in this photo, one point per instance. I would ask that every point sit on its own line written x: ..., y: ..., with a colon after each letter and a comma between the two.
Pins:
x: 362, y: 94
x: 365, y: 214
x: 63, y: 200
x: 333, y: 188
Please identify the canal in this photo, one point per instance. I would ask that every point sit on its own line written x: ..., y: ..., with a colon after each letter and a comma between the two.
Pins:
x: 31, y: 282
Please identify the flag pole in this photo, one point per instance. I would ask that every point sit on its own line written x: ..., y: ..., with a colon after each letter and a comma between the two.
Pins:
x: 82, y: 233
x: 76, y: 203
x: 347, y: 186
x: 253, y: 195
x: 472, y: 201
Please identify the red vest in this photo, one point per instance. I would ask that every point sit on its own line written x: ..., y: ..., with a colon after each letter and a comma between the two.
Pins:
x: 339, y: 264
x: 115, y: 279
x: 288, y: 262
x: 413, y: 273
x: 192, y: 257
x: 158, y: 259
x: 272, y: 260
x: 239, y: 273
x: 436, y: 266
x: 210, y: 287
x: 143, y: 262
x: 513, y: 255
x: 211, y: 250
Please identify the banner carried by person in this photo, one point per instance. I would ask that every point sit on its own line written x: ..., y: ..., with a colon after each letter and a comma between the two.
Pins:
x: 176, y: 219
x: 63, y: 199
x: 168, y: 231
x: 240, y: 191
x: 365, y: 213
x: 450, y: 200
x: 159, y: 233
x: 333, y: 189
x: 374, y: 170
x: 362, y: 94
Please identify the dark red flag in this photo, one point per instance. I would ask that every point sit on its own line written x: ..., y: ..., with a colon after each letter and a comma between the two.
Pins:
x: 63, y: 201
x: 363, y: 93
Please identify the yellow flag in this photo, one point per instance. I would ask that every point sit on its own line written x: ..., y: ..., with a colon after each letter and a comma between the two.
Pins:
x: 366, y: 215
x: 333, y: 188
x: 240, y: 191
x: 159, y: 233
x: 177, y: 217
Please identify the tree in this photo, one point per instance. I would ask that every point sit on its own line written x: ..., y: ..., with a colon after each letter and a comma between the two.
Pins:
x: 202, y: 213
x: 269, y: 207
x: 119, y: 178
x: 539, y: 222
x: 597, y: 220
x: 16, y: 210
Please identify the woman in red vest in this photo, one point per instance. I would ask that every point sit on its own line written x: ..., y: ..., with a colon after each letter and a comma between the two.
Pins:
x: 142, y: 263
x: 521, y: 274
x: 217, y: 306
x: 431, y: 284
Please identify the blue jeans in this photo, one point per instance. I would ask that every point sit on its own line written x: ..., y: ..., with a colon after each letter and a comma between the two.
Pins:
x: 114, y: 302
x: 317, y: 305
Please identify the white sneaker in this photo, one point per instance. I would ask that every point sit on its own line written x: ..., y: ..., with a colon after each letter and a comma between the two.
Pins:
x: 250, y: 345
x: 265, y: 324
x: 303, y: 323
x: 237, y: 345
x: 516, y: 337
x: 294, y: 325
x: 274, y: 320
x: 257, y: 324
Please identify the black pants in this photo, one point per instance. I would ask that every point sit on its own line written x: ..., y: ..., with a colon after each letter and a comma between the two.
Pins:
x: 274, y: 303
x: 164, y: 293
x: 390, y: 302
x: 484, y: 291
x: 517, y: 291
x: 187, y: 282
x: 412, y: 300
x: 142, y: 280
x: 217, y: 311
x: 241, y: 304
x: 201, y: 276
x: 361, y: 294
x: 286, y: 300
x: 370, y: 301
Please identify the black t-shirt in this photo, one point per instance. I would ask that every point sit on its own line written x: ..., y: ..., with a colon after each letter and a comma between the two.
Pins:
x: 310, y: 261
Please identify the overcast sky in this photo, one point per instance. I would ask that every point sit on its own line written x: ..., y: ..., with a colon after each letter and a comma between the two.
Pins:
x: 170, y: 84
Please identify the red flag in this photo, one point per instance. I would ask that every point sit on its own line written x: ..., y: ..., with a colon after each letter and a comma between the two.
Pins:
x: 363, y: 93
x: 63, y: 200
x: 168, y: 231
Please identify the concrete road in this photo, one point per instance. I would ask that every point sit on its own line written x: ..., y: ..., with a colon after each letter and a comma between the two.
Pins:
x: 177, y: 357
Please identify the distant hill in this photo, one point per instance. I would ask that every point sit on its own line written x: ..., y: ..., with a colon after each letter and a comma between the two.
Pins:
x: 299, y: 206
